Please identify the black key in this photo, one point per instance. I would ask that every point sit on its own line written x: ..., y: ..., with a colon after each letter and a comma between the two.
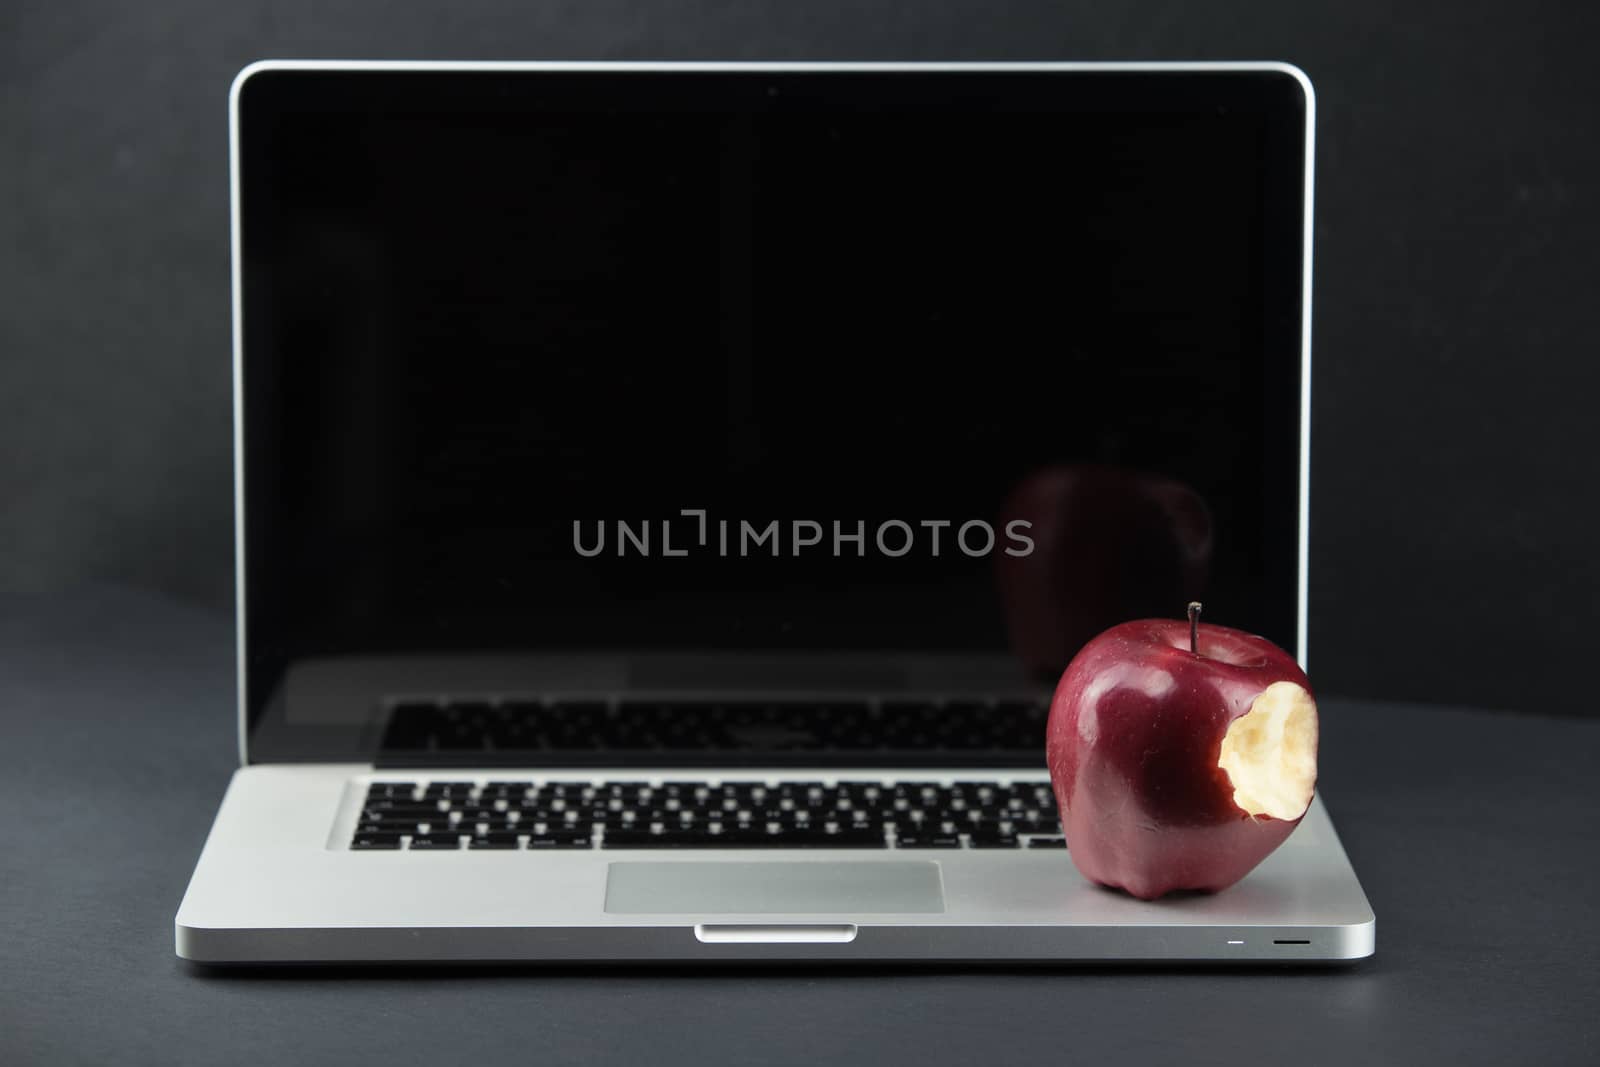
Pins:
x: 994, y: 841
x: 646, y: 839
x: 391, y: 789
x: 373, y: 841
x: 753, y: 838
x: 1047, y: 842
x: 495, y: 840
x: 559, y: 840
x: 410, y: 814
x: 401, y: 808
x: 437, y: 828
x: 928, y: 841
x: 848, y: 837
x: 435, y: 842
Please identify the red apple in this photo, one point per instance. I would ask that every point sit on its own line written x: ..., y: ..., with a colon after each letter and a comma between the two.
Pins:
x: 1109, y: 543
x: 1179, y: 765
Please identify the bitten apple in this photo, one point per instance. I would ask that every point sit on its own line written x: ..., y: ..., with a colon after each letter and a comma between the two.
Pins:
x: 1181, y: 753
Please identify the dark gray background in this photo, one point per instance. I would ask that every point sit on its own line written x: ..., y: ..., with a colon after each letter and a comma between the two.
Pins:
x: 1455, y: 334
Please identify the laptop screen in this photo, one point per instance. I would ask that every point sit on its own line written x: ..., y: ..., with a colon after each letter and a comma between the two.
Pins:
x: 583, y: 382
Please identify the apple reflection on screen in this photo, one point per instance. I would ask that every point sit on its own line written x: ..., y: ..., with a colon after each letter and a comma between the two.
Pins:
x: 1111, y: 544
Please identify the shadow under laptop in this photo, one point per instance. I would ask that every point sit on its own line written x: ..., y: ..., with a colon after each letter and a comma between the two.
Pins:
x: 711, y: 970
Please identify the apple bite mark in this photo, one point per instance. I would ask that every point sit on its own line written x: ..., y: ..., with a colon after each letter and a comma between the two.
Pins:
x: 1270, y: 753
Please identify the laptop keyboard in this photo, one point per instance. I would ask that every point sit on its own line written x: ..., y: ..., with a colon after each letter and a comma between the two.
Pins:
x: 542, y: 815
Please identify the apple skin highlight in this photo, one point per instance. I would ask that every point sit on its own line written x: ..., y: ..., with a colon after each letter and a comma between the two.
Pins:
x: 1133, y: 744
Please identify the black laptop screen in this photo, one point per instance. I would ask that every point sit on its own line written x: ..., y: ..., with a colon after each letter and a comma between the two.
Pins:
x: 601, y: 368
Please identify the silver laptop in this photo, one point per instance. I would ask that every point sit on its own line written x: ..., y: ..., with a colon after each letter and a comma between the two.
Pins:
x: 667, y: 494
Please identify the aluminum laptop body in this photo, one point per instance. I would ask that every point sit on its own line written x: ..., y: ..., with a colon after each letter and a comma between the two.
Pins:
x: 667, y: 493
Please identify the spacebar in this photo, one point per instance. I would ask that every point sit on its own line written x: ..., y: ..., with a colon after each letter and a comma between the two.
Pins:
x: 743, y: 839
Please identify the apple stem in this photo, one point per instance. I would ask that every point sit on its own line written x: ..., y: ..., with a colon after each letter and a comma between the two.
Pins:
x: 1194, y: 626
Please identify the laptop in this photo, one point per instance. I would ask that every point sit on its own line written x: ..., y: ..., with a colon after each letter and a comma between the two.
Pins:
x: 667, y: 495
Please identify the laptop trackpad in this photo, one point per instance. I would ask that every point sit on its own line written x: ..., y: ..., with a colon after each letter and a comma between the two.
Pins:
x: 719, y: 888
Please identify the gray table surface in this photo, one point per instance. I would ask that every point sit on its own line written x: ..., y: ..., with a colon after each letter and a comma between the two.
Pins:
x: 1475, y: 834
